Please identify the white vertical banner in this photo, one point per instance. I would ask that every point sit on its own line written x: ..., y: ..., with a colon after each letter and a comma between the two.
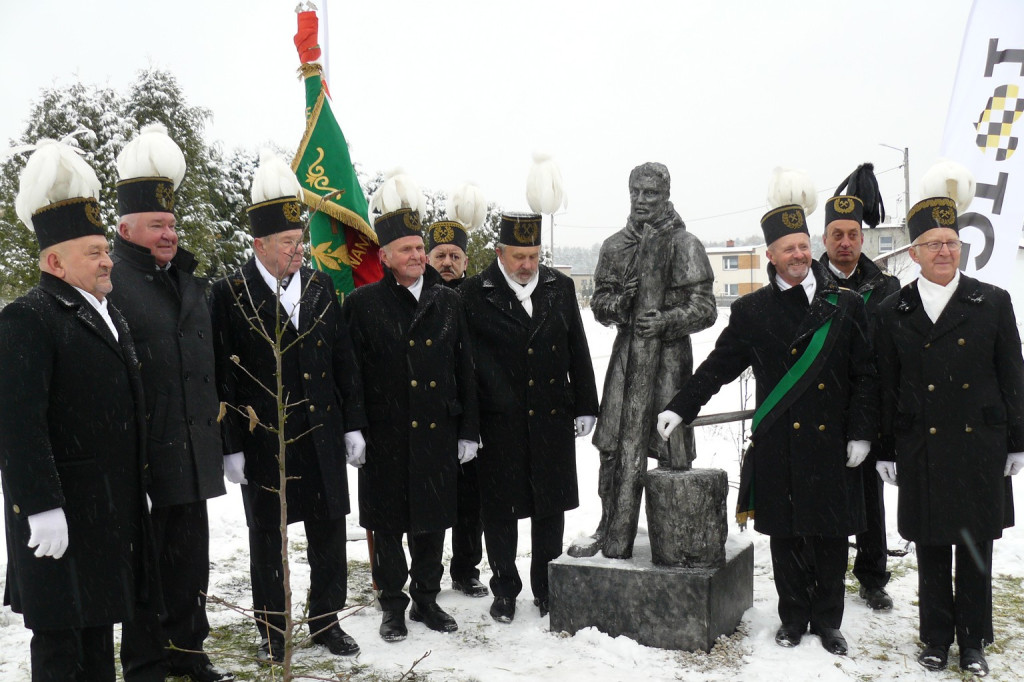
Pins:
x: 325, y: 43
x: 984, y: 127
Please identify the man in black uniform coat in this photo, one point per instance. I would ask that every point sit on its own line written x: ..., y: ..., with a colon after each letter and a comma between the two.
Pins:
x: 537, y: 394
x: 952, y: 377
x: 446, y: 252
x: 844, y: 239
x: 805, y: 453
x: 412, y: 345
x: 166, y: 308
x: 72, y: 430
x: 321, y: 383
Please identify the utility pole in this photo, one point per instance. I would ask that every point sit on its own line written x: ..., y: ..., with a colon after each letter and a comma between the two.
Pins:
x: 906, y: 178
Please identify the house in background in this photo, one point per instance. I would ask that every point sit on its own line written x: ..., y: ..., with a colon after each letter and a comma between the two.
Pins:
x: 738, y: 270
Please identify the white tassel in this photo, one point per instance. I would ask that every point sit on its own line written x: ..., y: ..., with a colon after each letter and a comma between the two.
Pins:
x: 55, y: 172
x: 274, y: 179
x: 398, y: 190
x: 791, y: 186
x: 544, y: 187
x: 949, y: 179
x: 152, y: 153
x: 466, y: 205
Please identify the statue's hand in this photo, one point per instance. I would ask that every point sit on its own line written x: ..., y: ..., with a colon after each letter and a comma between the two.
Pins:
x: 650, y: 324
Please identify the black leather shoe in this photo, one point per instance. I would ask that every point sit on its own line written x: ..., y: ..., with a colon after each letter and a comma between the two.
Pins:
x: 877, y: 598
x: 433, y: 616
x: 205, y: 672
x: 934, y: 657
x: 271, y: 652
x: 392, y: 626
x: 471, y: 587
x: 790, y: 635
x: 832, y: 640
x: 973, y: 661
x: 503, y: 609
x: 337, y: 641
x: 542, y: 604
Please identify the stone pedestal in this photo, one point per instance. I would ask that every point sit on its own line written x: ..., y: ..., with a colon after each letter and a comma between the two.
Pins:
x: 667, y: 607
x: 686, y: 517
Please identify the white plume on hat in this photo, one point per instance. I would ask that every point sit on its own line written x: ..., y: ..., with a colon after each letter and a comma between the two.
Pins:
x: 273, y: 179
x: 56, y: 171
x: 544, y: 189
x: 949, y: 179
x: 152, y: 154
x: 465, y: 204
x: 397, y: 191
x: 790, y: 186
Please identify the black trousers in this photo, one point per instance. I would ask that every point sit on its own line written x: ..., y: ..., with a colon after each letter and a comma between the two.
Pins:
x: 328, y: 576
x: 959, y: 605
x: 502, y: 539
x: 467, y: 534
x: 182, y: 537
x: 809, y: 578
x: 872, y: 551
x: 390, y: 569
x: 73, y: 655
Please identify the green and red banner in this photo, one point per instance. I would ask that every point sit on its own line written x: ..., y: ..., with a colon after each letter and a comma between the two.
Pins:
x: 342, y: 243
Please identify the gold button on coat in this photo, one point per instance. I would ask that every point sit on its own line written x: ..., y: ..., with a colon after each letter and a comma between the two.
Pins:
x: 413, y: 383
x: 968, y: 429
x: 966, y: 386
x: 429, y: 342
x: 306, y: 376
x: 961, y: 342
x: 530, y: 382
x: 433, y: 384
x: 433, y: 425
x: 529, y: 351
x: 931, y: 430
x: 415, y: 424
x: 412, y: 342
x: 821, y: 427
x: 312, y: 408
x: 796, y: 425
x: 821, y: 387
x: 793, y: 352
x: 931, y: 387
x: 531, y: 413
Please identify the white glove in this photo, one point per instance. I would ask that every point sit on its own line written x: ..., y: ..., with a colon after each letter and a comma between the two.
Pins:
x: 234, y: 468
x: 856, y: 452
x: 48, y: 533
x: 1014, y: 463
x: 887, y: 470
x: 584, y: 425
x: 355, y: 448
x: 667, y: 423
x: 467, y: 451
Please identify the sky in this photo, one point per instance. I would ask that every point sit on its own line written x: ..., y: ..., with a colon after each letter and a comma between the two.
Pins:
x: 454, y: 91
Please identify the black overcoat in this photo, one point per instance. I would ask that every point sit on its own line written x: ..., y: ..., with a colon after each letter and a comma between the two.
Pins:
x: 321, y: 382
x: 802, y: 486
x: 535, y: 377
x: 72, y: 429
x: 417, y: 366
x: 952, y: 408
x: 169, y: 318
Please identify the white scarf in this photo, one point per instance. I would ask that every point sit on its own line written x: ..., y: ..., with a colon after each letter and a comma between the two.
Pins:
x: 934, y: 297
x: 810, y: 284
x: 522, y: 291
x: 416, y: 288
x: 290, y: 294
x: 101, y: 308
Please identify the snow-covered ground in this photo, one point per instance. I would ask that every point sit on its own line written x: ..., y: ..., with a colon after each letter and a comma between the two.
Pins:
x: 883, y: 646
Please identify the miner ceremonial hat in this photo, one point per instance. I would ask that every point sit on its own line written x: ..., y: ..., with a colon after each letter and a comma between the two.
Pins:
x: 57, y: 195
x: 949, y: 187
x: 447, y: 232
x: 519, y: 229
x: 857, y: 198
x: 149, y: 168
x: 791, y: 198
x: 275, y: 195
x: 779, y: 222
x: 403, y: 222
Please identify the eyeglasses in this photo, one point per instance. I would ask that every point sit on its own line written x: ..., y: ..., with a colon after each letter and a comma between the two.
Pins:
x: 935, y: 247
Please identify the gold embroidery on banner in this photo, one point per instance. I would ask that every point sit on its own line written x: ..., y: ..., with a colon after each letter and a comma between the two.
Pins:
x: 92, y: 213
x: 794, y: 220
x: 316, y: 176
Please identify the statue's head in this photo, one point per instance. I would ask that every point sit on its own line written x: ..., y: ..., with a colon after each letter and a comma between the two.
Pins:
x: 649, y: 186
